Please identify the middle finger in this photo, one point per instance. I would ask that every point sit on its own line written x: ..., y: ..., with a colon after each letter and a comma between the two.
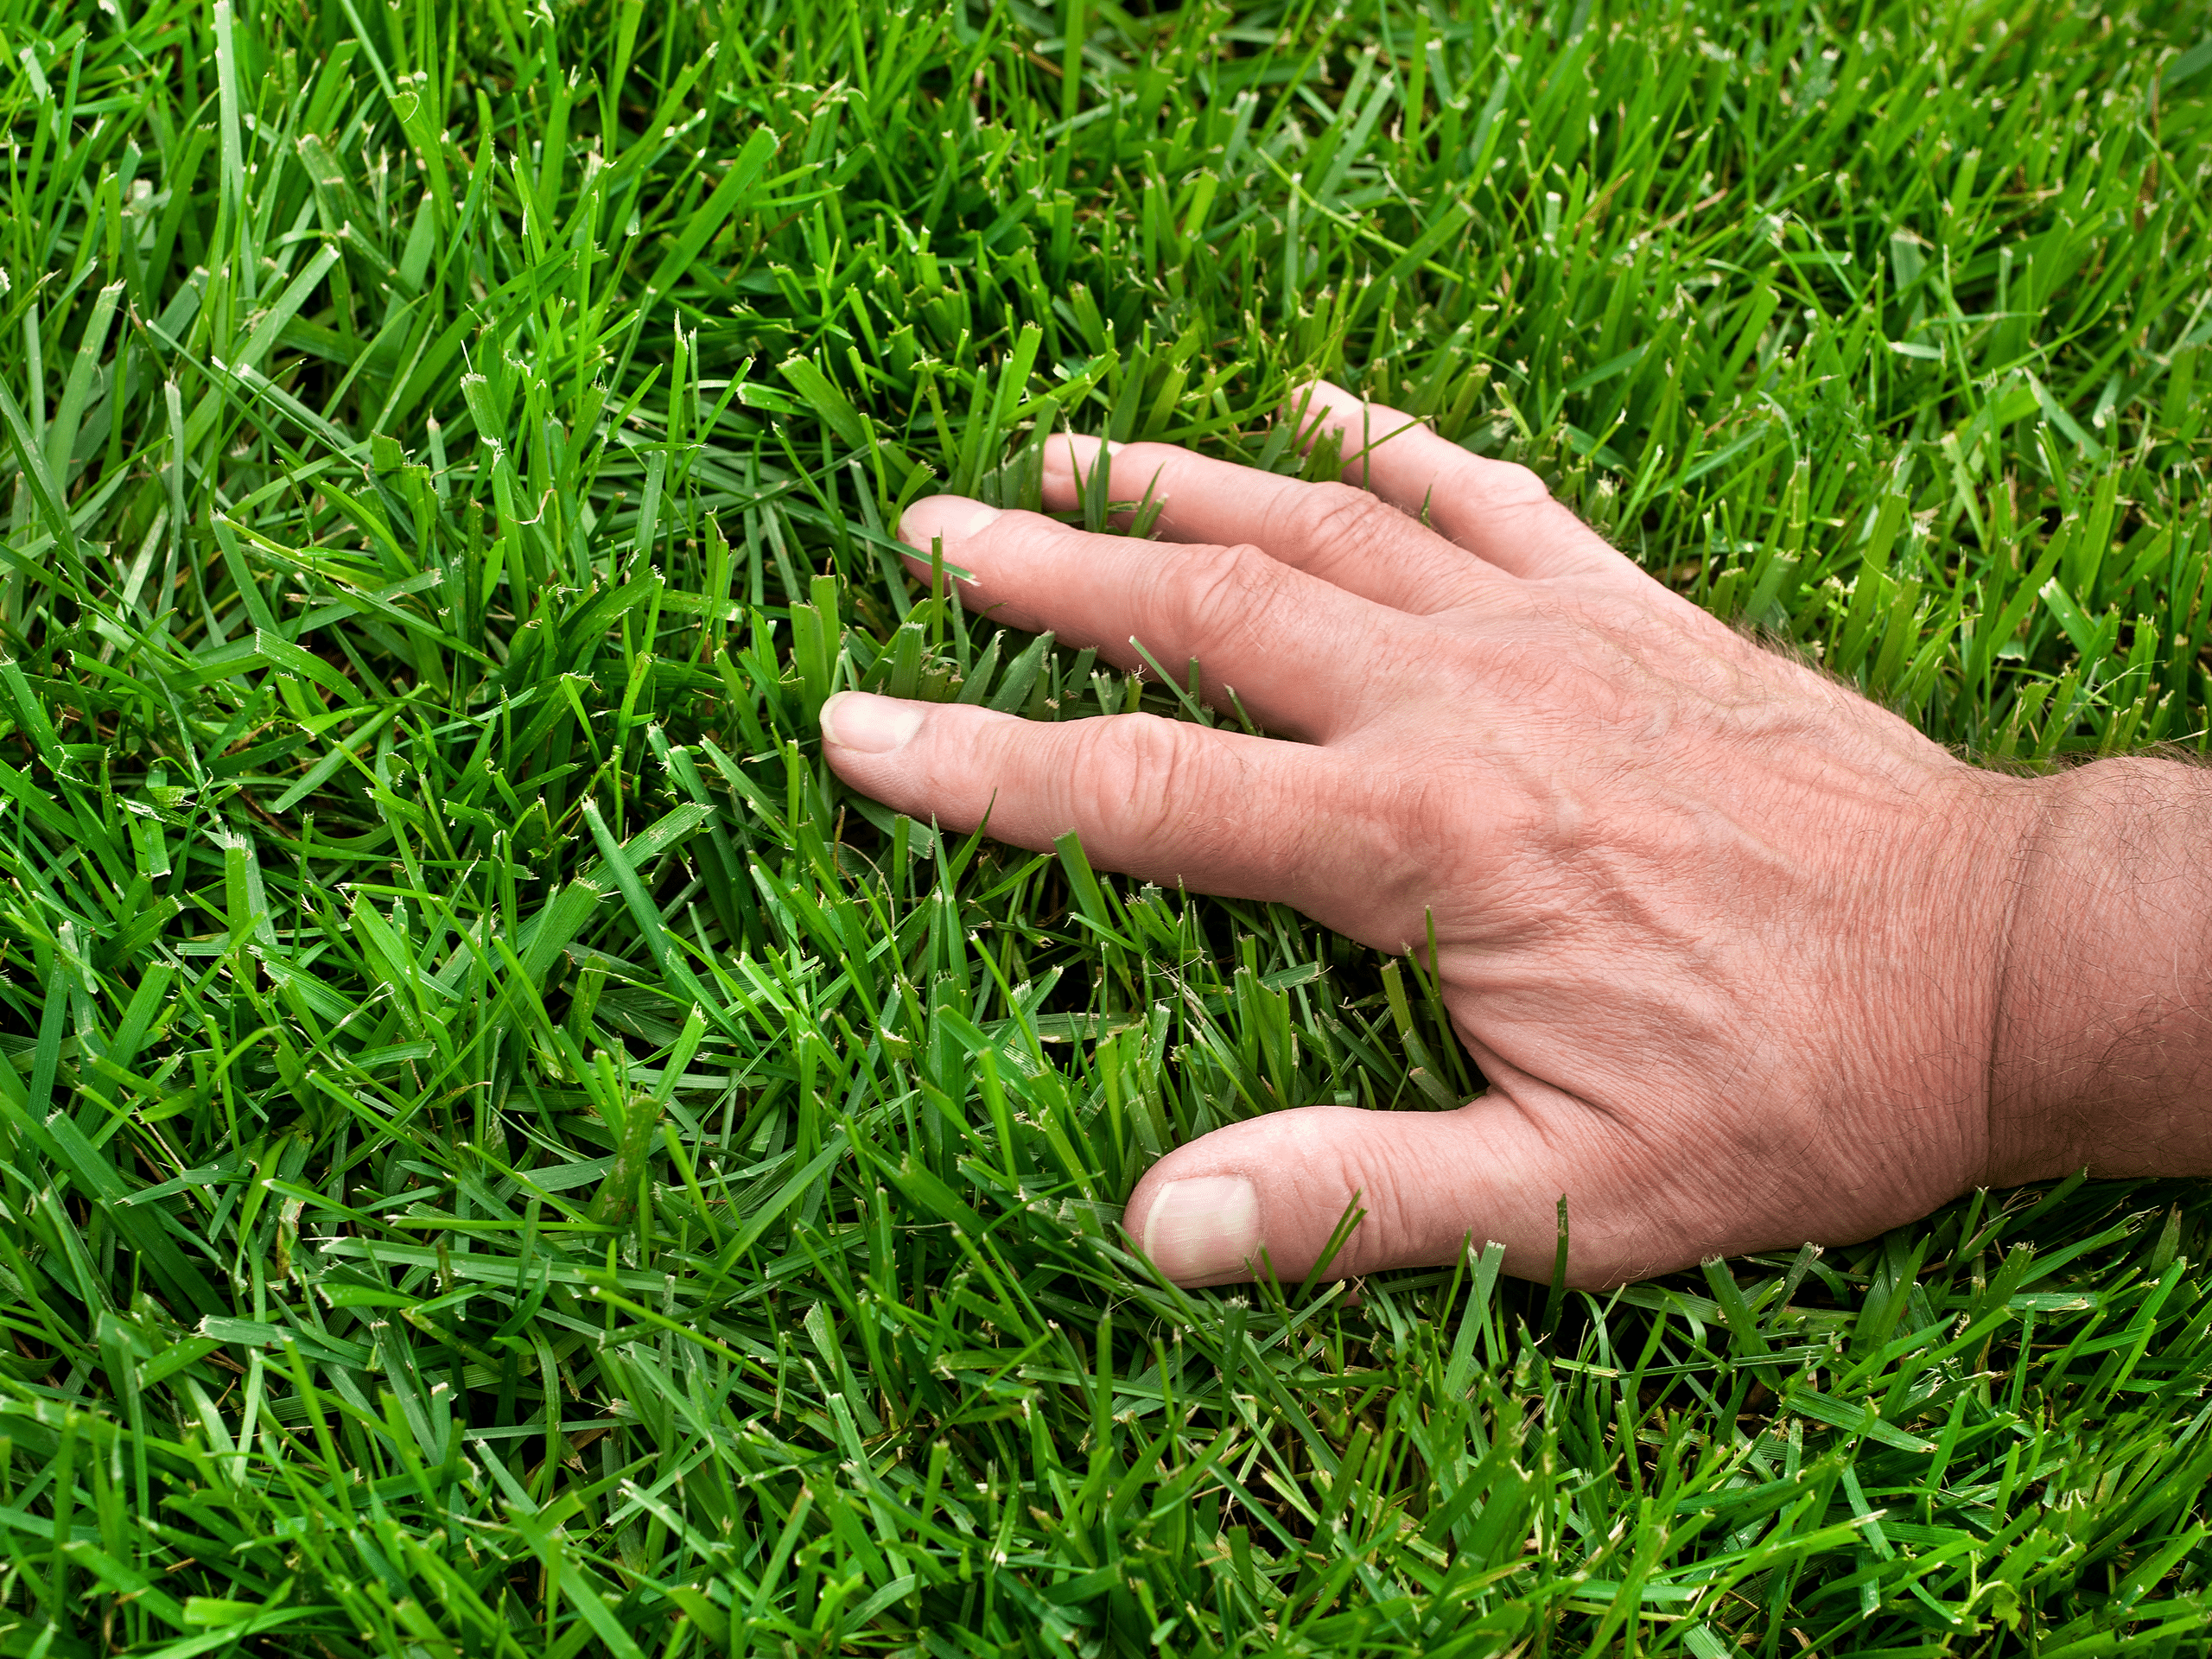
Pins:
x: 1345, y: 536
x: 1305, y: 657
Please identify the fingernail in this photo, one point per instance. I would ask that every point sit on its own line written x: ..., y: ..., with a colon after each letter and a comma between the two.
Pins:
x: 868, y: 724
x: 1204, y: 1229
x: 949, y: 518
x: 1076, y: 451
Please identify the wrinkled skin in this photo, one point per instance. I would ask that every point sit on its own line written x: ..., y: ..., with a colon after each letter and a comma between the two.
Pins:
x: 1730, y: 944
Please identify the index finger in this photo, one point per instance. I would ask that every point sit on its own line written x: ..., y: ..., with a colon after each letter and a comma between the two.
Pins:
x: 1166, y: 801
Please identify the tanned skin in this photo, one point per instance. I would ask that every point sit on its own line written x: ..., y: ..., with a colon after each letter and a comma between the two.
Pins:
x: 1746, y: 960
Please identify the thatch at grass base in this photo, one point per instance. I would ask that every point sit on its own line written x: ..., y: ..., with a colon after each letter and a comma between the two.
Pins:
x: 500, y: 1156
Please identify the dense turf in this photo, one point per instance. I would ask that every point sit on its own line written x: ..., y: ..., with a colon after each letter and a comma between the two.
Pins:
x: 502, y: 1156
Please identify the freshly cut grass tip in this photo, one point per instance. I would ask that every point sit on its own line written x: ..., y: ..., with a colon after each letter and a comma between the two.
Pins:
x: 500, y: 1155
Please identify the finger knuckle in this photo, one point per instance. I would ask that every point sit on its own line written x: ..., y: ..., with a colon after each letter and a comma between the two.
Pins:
x: 1511, y: 482
x: 1222, y: 591
x: 1385, y: 1232
x: 1136, y: 770
x: 1342, y: 516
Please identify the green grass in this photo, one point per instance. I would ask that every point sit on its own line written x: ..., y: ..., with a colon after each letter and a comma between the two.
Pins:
x: 502, y: 1156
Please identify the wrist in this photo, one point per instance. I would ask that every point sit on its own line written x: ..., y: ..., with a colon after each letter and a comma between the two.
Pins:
x: 2101, y: 1052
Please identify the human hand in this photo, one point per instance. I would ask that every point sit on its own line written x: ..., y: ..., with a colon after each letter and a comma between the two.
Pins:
x: 1728, y: 940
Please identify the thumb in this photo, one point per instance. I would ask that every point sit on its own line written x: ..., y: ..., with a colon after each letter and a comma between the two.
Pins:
x: 1269, y: 1192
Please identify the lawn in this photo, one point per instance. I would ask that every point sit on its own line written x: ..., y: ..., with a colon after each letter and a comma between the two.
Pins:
x: 501, y: 1155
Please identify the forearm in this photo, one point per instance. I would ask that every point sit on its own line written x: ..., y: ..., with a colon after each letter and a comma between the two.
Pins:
x: 2103, y: 1048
